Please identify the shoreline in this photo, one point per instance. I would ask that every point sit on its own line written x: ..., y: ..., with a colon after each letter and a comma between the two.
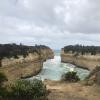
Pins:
x: 85, y: 68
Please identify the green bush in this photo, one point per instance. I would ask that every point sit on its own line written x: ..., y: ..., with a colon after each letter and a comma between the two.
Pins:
x: 70, y: 77
x: 2, y: 78
x: 27, y: 90
x: 2, y: 89
x: 3, y: 92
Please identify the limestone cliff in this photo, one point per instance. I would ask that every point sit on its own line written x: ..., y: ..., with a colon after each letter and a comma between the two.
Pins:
x: 87, y: 61
x: 24, y: 67
x: 47, y: 54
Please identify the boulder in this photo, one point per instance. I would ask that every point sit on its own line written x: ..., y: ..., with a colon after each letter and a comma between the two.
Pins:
x: 95, y: 75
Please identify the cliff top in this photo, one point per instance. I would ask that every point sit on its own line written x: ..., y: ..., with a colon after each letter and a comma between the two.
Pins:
x: 13, y: 50
x: 93, y: 50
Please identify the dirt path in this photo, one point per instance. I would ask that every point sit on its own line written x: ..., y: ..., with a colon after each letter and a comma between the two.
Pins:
x: 72, y: 91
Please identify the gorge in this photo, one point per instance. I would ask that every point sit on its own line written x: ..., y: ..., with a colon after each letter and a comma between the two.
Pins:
x: 53, y: 69
x: 43, y: 63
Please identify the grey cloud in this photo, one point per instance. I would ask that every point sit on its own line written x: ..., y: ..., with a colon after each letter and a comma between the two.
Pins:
x: 82, y: 16
x: 51, y: 22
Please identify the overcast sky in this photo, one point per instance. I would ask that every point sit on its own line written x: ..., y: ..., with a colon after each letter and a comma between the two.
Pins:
x: 55, y: 23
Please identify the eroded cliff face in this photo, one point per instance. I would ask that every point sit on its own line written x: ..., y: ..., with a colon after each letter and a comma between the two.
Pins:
x: 94, y: 76
x: 47, y: 54
x: 87, y: 61
x: 25, y: 67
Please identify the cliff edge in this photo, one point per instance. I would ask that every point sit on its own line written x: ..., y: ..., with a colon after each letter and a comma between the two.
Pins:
x: 19, y: 61
x: 85, y: 59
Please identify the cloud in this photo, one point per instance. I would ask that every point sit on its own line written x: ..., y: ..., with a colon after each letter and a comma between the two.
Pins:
x: 81, y: 16
x: 51, y: 22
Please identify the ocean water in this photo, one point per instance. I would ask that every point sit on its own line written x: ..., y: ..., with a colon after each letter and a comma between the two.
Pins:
x: 53, y: 69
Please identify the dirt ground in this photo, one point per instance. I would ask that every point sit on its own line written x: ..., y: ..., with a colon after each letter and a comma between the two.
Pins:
x: 72, y: 91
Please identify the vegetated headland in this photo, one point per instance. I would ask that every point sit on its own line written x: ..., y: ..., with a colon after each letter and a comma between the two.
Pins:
x: 87, y: 57
x: 21, y: 61
x: 82, y: 56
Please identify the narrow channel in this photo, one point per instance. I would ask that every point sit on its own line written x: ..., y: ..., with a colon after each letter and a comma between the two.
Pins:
x: 53, y: 69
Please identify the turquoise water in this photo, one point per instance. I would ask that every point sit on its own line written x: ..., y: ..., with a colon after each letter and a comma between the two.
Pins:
x: 53, y: 69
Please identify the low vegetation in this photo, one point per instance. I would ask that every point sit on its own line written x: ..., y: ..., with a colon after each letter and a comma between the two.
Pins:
x: 2, y: 89
x: 70, y: 76
x: 27, y: 90
x: 2, y: 78
x: 93, y: 50
x: 23, y: 90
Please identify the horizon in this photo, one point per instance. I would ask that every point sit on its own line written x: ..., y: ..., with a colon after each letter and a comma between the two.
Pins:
x: 55, y: 23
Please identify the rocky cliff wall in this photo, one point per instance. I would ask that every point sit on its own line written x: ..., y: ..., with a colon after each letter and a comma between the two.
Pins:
x: 12, y: 61
x: 85, y: 61
x: 47, y: 54
x: 25, y: 67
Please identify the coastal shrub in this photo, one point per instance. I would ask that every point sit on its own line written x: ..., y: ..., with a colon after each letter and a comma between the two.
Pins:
x: 27, y: 90
x: 2, y: 78
x: 2, y: 89
x: 80, y: 49
x: 14, y: 50
x: 3, y: 92
x: 70, y: 76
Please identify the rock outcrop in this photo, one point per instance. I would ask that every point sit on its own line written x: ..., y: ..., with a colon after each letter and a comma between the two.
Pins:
x: 94, y: 76
x: 86, y: 61
x: 24, y: 67
x: 47, y: 53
